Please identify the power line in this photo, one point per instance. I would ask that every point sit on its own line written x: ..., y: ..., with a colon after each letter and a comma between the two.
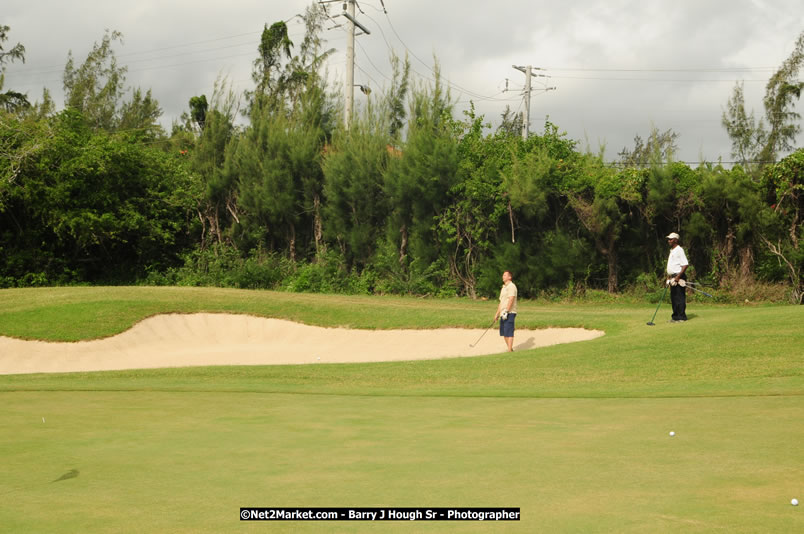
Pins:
x: 391, y: 49
x: 189, y: 44
x: 367, y: 74
x: 715, y: 69
x: 590, y: 69
x: 57, y: 68
x: 24, y: 71
x: 158, y: 67
x: 665, y: 80
x: 372, y: 63
x: 476, y: 96
x: 146, y: 69
x: 495, y: 100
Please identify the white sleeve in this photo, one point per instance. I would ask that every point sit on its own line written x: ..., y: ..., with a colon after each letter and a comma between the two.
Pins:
x: 682, y: 257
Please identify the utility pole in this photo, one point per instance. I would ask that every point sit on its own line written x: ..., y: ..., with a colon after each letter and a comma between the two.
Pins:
x: 349, y: 82
x: 350, y: 63
x: 528, y: 71
x: 349, y: 14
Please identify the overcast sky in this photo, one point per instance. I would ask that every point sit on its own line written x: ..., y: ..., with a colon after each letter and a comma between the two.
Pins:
x: 619, y: 67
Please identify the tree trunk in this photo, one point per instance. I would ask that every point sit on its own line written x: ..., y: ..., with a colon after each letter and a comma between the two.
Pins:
x: 610, y: 252
x: 746, y: 255
x: 612, y: 257
x: 203, y: 230
x: 511, y: 218
x: 403, y: 247
x: 320, y: 247
x: 216, y: 225
x: 729, y: 247
x: 795, y: 274
x: 292, y: 240
x: 470, y: 283
x: 723, y: 256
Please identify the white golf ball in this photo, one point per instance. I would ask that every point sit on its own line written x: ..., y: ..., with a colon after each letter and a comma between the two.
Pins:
x: 672, y: 433
x: 794, y: 502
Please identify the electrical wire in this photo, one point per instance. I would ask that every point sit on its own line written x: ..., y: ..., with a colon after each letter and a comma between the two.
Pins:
x: 715, y: 69
x: 372, y: 63
x: 426, y: 77
x: 654, y: 80
x: 367, y: 75
x: 25, y: 71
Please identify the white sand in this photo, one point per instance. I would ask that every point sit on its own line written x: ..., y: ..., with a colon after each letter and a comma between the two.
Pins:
x: 220, y: 339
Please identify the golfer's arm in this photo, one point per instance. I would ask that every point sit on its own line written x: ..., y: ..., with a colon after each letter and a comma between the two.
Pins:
x: 683, y: 268
x: 510, y: 303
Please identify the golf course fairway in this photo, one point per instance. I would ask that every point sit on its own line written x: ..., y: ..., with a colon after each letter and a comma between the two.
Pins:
x: 576, y: 435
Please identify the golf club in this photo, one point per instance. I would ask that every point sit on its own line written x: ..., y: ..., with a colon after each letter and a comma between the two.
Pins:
x: 651, y: 323
x: 684, y: 283
x: 702, y: 292
x: 483, y: 334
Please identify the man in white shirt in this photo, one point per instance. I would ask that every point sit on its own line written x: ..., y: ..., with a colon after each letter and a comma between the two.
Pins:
x: 676, y: 266
x: 506, y: 311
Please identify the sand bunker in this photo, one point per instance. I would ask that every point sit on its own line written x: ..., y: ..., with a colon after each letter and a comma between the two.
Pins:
x: 220, y: 339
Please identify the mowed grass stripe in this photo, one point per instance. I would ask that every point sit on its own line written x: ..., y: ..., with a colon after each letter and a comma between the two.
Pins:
x: 191, y: 460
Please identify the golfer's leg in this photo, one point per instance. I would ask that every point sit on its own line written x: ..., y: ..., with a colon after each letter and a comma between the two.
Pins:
x: 674, y: 301
x: 682, y: 305
x: 509, y: 331
x: 682, y: 301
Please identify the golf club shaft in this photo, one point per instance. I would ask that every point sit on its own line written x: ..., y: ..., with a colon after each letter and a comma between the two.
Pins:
x: 660, y: 303
x: 699, y: 291
x: 484, y: 333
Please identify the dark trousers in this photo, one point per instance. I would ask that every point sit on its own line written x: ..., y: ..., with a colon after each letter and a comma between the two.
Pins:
x: 678, y: 298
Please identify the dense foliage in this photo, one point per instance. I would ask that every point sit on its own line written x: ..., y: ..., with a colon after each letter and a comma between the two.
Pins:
x: 409, y: 199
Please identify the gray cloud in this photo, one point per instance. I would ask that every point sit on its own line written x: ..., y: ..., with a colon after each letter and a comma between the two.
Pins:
x: 179, y: 48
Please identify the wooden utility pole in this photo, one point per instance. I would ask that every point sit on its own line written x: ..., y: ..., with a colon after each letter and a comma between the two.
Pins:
x: 349, y: 83
x: 350, y: 63
x: 528, y: 71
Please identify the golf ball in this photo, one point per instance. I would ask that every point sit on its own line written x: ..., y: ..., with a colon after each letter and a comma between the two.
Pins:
x: 672, y: 433
x: 794, y: 502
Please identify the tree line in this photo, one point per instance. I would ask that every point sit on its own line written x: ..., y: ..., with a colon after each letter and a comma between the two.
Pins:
x: 269, y: 190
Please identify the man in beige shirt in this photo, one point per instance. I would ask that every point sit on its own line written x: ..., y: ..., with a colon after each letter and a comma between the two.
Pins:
x: 506, y: 311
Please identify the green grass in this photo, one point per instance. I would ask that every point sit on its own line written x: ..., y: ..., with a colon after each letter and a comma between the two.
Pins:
x: 576, y: 435
x: 721, y: 351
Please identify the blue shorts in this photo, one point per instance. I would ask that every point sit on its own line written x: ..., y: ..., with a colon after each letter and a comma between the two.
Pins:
x: 507, y: 325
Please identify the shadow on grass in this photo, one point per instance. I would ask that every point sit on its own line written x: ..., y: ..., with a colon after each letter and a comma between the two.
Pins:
x: 72, y: 473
